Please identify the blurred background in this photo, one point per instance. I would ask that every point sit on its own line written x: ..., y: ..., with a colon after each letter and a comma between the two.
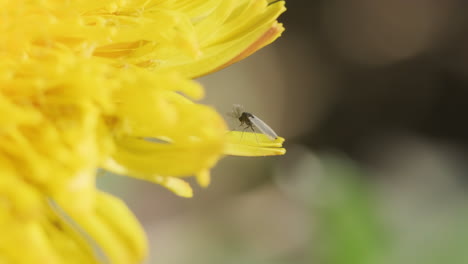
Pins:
x: 371, y: 96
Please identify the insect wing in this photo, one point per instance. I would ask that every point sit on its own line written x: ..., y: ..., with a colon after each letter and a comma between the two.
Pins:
x: 236, y: 112
x: 262, y: 126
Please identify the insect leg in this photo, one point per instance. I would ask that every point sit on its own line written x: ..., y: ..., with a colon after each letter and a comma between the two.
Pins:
x: 256, y: 138
x: 243, y: 130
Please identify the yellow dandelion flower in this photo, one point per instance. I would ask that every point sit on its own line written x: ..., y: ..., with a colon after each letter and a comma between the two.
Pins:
x: 105, y: 84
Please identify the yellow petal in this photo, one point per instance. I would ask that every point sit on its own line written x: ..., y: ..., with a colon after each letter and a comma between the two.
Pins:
x: 127, y: 226
x: 176, y: 185
x: 114, y: 228
x: 268, y: 37
x: 253, y: 27
x: 190, y: 136
x: 141, y: 157
x: 203, y: 178
x: 253, y: 144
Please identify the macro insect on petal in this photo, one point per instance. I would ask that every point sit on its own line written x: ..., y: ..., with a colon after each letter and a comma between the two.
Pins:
x: 251, y: 121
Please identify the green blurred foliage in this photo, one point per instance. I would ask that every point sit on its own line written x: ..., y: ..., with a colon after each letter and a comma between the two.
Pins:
x: 349, y: 229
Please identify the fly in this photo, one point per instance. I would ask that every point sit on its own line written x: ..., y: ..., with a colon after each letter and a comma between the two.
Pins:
x: 251, y: 121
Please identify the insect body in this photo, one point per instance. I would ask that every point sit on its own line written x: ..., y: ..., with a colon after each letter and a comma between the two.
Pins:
x: 245, y: 118
x: 251, y: 121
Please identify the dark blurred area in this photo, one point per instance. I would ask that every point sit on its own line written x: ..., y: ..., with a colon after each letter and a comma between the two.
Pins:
x: 370, y: 96
x: 393, y: 65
